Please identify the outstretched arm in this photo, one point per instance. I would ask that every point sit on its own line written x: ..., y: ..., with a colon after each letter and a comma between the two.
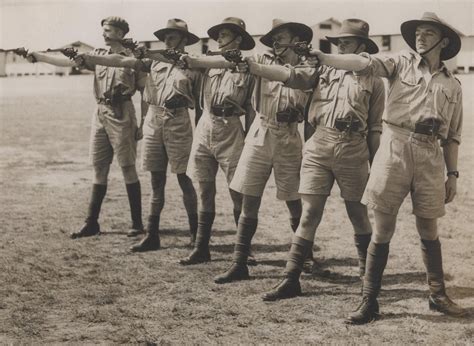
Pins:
x: 271, y: 72
x: 207, y: 62
x: 61, y: 61
x: 349, y: 62
x: 111, y: 60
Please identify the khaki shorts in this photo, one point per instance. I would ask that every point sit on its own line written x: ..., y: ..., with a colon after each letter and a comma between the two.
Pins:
x: 407, y: 162
x: 113, y: 131
x: 270, y: 147
x: 167, y: 138
x: 217, y: 142
x: 333, y: 155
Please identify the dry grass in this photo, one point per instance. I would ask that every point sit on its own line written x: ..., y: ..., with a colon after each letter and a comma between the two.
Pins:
x: 56, y: 290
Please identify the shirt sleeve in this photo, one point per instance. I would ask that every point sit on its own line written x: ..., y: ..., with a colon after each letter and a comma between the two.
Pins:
x: 376, y: 106
x: 302, y: 78
x: 381, y: 65
x: 91, y: 67
x: 455, y: 126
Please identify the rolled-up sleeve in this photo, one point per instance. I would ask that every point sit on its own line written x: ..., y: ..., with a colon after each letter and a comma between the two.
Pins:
x: 455, y: 126
x: 376, y: 106
x: 381, y: 65
x: 301, y: 78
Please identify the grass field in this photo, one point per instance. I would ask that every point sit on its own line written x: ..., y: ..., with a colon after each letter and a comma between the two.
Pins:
x: 57, y: 290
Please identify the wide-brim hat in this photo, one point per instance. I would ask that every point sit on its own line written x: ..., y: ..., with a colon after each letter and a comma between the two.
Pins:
x: 355, y: 28
x: 180, y: 25
x: 408, y: 30
x: 118, y: 22
x: 304, y: 32
x: 236, y: 25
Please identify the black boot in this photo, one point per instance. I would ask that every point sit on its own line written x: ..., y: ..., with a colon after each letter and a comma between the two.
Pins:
x: 290, y: 286
x: 193, y: 227
x: 201, y: 253
x: 362, y: 242
x: 151, y: 241
x: 238, y: 270
x: 438, y: 300
x: 135, y: 201
x: 368, y: 310
x: 91, y: 227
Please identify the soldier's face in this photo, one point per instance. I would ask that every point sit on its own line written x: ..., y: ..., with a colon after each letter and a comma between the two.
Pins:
x: 348, y: 45
x: 283, y: 36
x: 173, y: 39
x: 427, y: 36
x: 227, y: 39
x: 111, y: 34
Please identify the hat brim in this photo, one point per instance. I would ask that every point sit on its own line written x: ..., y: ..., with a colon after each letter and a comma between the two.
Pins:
x: 247, y: 43
x: 370, y: 46
x: 192, y: 39
x: 304, y: 32
x: 408, y: 30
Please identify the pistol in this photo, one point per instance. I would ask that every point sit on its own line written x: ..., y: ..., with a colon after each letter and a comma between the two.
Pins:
x: 302, y: 49
x: 232, y: 55
x: 18, y: 51
x: 70, y: 52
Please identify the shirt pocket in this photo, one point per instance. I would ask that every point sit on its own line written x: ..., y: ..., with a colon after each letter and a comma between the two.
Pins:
x: 445, y: 101
x: 327, y: 88
x: 158, y: 74
x: 405, y: 91
x: 358, y: 95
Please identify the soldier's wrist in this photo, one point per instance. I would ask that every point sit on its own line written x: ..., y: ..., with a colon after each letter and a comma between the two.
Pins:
x: 454, y: 174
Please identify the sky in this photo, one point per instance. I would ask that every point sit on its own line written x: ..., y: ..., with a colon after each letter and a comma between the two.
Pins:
x: 41, y: 24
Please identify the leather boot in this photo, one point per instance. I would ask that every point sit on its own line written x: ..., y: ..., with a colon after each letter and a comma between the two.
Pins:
x: 200, y: 253
x: 91, y: 227
x: 239, y: 270
x: 290, y: 286
x: 151, y: 241
x: 438, y: 299
x: 368, y: 310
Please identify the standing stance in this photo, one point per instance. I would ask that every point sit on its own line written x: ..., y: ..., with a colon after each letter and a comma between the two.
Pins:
x: 169, y: 92
x: 346, y: 110
x: 114, y: 126
x: 424, y: 104
x: 273, y: 142
x: 219, y: 136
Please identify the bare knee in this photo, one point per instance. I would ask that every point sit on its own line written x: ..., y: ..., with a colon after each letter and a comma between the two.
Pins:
x: 427, y: 228
x: 359, y: 217
x: 101, y: 174
x: 130, y: 174
x: 251, y: 206
x: 384, y: 227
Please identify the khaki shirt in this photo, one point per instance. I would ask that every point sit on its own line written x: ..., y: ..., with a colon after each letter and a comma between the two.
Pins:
x: 271, y: 97
x: 339, y: 93
x: 411, y: 98
x: 114, y: 81
x: 167, y: 80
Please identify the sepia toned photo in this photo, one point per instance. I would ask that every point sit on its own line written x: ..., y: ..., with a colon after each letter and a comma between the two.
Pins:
x: 236, y: 172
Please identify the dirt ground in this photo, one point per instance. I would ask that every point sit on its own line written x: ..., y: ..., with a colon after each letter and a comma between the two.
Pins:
x: 57, y: 290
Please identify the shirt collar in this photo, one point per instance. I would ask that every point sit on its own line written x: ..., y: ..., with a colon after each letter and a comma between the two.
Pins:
x: 443, y: 68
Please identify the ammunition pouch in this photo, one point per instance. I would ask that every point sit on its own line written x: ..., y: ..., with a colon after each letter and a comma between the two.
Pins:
x: 289, y: 115
x: 429, y: 126
x: 347, y: 124
x: 223, y: 110
x: 176, y: 101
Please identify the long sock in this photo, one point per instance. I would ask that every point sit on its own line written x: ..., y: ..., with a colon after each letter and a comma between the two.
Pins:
x: 245, y: 232
x: 237, y: 216
x: 97, y: 196
x: 294, y: 223
x: 362, y: 242
x: 153, y: 225
x: 205, y: 221
x: 431, y: 253
x: 377, y: 255
x: 135, y: 201
x: 299, y: 250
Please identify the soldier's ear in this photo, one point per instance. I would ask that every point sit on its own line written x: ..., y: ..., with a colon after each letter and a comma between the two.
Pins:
x: 295, y: 38
x: 445, y: 42
x: 238, y: 39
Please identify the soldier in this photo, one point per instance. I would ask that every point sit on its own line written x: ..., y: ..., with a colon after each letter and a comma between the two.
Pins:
x: 424, y: 104
x: 114, y: 125
x: 219, y: 136
x: 169, y: 92
x: 346, y: 110
x: 273, y: 142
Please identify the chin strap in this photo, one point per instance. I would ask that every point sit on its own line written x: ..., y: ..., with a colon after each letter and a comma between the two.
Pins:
x: 235, y: 37
x: 434, y: 46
